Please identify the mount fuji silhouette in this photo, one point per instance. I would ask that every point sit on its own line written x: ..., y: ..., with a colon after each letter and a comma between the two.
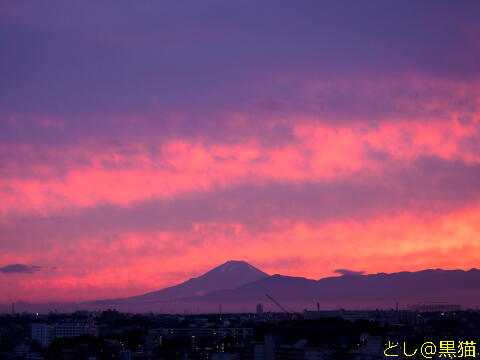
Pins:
x: 237, y: 286
x: 229, y: 275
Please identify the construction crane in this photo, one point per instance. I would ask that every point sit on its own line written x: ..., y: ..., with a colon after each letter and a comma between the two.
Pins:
x: 278, y: 304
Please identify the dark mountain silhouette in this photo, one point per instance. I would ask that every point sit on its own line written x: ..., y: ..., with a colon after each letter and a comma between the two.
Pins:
x: 375, y: 290
x: 238, y: 287
x: 229, y: 275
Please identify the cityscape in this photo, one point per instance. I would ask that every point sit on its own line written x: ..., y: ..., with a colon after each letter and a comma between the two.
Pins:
x: 260, y: 335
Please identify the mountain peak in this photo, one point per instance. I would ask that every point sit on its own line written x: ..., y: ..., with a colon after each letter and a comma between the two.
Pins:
x: 237, y: 266
x: 229, y: 275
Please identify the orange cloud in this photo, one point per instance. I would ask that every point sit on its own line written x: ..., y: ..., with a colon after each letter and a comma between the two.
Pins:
x: 317, y: 153
x: 133, y: 263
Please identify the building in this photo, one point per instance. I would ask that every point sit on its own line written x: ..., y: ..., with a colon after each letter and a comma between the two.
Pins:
x: 260, y: 309
x: 42, y: 333
x: 236, y: 333
x: 225, y: 356
x: 436, y: 307
x: 45, y: 334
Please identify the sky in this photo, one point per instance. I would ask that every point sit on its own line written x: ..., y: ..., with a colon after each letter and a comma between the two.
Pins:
x: 144, y: 142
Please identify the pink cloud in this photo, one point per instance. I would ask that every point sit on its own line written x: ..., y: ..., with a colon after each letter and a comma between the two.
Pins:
x: 317, y: 153
x: 133, y: 263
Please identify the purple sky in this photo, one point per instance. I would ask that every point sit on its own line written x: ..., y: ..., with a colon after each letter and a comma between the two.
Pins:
x: 142, y: 142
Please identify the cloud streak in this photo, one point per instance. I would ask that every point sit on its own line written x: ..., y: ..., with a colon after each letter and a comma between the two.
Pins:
x: 346, y: 272
x: 19, y: 269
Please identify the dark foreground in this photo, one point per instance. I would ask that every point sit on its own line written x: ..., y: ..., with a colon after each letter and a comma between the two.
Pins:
x: 263, y: 336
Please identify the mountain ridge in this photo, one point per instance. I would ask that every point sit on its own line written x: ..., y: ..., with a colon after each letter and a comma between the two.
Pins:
x: 239, y: 286
x: 230, y: 274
